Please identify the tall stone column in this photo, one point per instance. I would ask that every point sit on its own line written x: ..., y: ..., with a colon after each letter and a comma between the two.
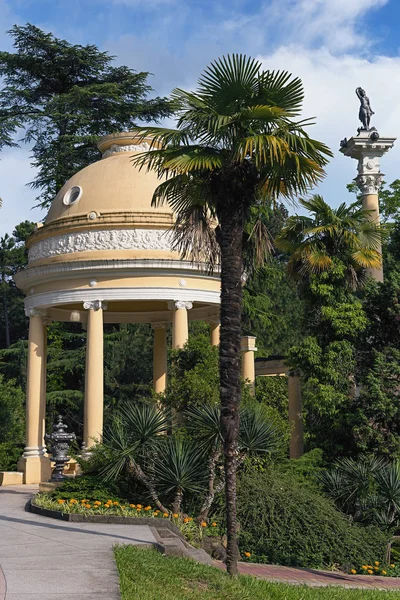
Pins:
x: 33, y: 464
x: 367, y: 148
x: 247, y: 349
x: 43, y: 390
x: 159, y: 358
x: 296, y: 448
x: 214, y: 332
x: 180, y: 323
x: 94, y: 377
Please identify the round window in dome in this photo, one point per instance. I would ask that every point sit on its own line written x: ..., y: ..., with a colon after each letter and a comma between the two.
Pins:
x: 72, y: 196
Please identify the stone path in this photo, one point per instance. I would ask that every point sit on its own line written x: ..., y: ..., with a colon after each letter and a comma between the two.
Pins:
x: 316, y: 578
x: 45, y: 559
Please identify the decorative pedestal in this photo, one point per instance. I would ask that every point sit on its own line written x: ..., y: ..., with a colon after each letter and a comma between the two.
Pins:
x: 34, y: 468
x: 368, y: 147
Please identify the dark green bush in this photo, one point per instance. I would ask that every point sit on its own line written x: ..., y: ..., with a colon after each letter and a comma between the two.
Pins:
x: 284, y: 522
x: 90, y: 487
x: 9, y: 455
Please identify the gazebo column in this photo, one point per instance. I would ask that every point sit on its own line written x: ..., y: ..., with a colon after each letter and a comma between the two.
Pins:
x: 180, y: 323
x: 295, y: 417
x: 94, y: 376
x: 159, y: 358
x: 247, y: 349
x: 43, y: 382
x: 34, y: 465
x: 214, y: 332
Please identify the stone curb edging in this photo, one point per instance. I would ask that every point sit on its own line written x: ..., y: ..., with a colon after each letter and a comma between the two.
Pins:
x: 108, y: 519
x: 169, y: 539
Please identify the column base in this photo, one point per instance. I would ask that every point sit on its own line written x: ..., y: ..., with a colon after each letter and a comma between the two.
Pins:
x: 35, y: 469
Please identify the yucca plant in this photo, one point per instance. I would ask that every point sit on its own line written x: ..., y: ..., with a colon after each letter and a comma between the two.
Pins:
x: 238, y: 141
x: 256, y: 436
x: 131, y: 442
x: 179, y: 468
x: 345, y: 234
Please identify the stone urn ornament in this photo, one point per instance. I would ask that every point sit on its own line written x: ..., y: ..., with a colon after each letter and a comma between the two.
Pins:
x: 60, y: 442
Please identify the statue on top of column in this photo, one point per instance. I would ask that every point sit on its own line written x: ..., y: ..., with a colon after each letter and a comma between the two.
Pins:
x: 365, y: 109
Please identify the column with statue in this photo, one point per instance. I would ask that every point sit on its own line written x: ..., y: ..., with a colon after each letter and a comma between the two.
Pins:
x: 367, y: 147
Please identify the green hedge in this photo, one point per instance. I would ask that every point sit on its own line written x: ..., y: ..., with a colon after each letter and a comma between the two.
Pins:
x: 284, y: 522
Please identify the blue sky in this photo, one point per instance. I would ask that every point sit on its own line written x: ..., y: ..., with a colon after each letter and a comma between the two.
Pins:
x: 333, y: 45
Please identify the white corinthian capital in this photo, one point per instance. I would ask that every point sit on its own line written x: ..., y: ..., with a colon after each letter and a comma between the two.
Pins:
x: 95, y: 305
x: 176, y: 304
x: 369, y: 184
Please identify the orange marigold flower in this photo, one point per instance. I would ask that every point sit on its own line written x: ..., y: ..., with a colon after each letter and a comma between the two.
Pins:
x: 139, y: 506
x: 166, y: 515
x: 353, y: 571
x: 247, y: 554
x: 186, y: 520
x: 376, y: 568
x: 115, y: 503
x: 138, y: 509
x: 61, y: 501
x: 147, y: 508
x: 213, y: 524
x: 132, y: 505
x: 383, y: 572
x: 369, y: 572
x: 203, y: 524
x: 376, y: 563
x: 87, y: 506
x: 175, y: 515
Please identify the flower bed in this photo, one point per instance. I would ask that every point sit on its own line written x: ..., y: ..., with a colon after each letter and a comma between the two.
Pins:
x: 192, y: 530
x: 392, y: 570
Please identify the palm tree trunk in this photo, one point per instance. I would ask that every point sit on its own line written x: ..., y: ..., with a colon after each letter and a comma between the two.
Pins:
x: 231, y: 224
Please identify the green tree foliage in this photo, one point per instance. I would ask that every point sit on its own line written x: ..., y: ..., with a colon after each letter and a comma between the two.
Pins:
x: 284, y: 522
x: 11, y: 412
x: 193, y: 374
x: 389, y: 199
x: 13, y: 257
x: 64, y: 97
x: 344, y: 234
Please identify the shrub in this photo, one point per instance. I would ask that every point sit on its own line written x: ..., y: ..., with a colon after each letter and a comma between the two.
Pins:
x: 89, y: 487
x: 9, y: 455
x: 284, y: 522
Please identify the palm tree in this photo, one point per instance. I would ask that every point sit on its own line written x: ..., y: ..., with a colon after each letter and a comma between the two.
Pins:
x: 237, y: 138
x: 345, y: 234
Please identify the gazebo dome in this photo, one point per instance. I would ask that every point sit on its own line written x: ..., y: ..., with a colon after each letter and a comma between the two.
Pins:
x: 111, y: 185
x: 103, y: 240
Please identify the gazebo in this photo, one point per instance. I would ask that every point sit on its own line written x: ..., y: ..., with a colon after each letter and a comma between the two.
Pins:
x: 105, y: 255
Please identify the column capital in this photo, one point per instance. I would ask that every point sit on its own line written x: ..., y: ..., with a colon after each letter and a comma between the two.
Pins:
x: 177, y: 304
x: 248, y: 343
x: 35, y: 312
x: 95, y: 305
x: 369, y: 183
x: 214, y: 321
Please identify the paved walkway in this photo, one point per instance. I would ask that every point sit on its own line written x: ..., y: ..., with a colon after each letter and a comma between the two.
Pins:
x: 45, y: 559
x: 318, y: 578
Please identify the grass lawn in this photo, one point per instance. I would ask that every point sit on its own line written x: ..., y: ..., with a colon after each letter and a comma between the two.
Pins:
x: 148, y: 575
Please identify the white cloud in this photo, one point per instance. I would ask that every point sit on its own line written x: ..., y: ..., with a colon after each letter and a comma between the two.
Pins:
x: 335, y: 24
x: 330, y: 83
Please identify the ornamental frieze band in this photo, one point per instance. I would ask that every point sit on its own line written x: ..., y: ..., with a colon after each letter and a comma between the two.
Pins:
x: 104, y: 239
